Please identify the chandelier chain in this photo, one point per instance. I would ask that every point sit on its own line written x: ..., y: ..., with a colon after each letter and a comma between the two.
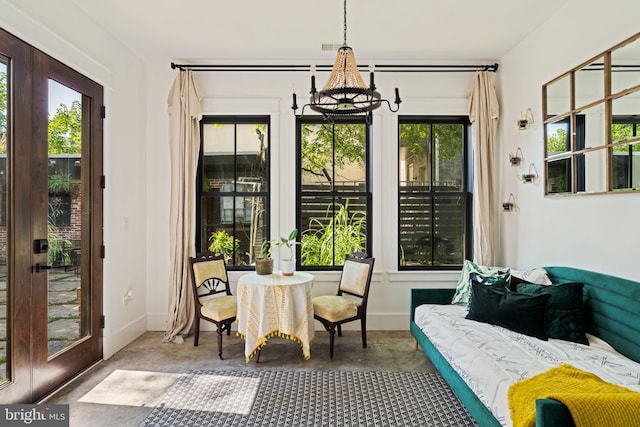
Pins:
x: 345, y: 23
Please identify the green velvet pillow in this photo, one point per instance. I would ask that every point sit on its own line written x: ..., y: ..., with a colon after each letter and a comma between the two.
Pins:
x: 500, y: 281
x: 565, y: 313
x: 523, y: 313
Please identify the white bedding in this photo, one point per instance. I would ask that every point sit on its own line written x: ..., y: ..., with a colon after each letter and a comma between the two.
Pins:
x: 490, y: 358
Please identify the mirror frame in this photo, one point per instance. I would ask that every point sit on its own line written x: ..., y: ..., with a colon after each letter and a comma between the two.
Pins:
x: 576, y: 118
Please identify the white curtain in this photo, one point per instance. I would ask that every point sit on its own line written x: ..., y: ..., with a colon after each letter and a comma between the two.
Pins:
x: 184, y: 144
x: 483, y: 113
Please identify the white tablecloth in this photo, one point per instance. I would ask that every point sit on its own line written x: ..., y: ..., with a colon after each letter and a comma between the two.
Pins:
x: 275, y: 305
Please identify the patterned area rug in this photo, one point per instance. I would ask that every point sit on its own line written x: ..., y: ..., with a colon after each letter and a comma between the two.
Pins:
x: 309, y: 398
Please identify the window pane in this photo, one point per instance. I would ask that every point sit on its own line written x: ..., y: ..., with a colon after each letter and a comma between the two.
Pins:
x: 233, y: 226
x: 350, y: 157
x: 448, y: 234
x: 317, y: 157
x: 626, y: 167
x: 218, y: 152
x: 594, y: 127
x: 589, y: 82
x: 251, y: 160
x: 415, y: 156
x: 559, y: 176
x: 592, y: 166
x: 448, y: 158
x: 431, y: 231
x: 415, y: 230
x: 625, y: 72
x: 332, y: 230
x: 558, y: 140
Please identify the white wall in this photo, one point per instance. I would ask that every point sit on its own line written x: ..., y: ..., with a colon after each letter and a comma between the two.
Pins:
x: 81, y: 44
x: 270, y: 93
x: 595, y: 232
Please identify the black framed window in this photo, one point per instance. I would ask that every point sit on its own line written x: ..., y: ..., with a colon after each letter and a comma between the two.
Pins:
x: 434, y: 200
x: 333, y: 190
x: 233, y: 187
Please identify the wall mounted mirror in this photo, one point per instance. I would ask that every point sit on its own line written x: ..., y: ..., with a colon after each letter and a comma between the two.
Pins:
x: 592, y: 124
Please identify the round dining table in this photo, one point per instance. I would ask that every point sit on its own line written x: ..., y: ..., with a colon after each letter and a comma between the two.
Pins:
x: 275, y: 305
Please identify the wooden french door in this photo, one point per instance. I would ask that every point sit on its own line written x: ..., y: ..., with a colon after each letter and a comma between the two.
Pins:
x: 50, y: 222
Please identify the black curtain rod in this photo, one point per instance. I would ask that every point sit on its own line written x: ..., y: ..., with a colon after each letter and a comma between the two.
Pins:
x: 382, y: 68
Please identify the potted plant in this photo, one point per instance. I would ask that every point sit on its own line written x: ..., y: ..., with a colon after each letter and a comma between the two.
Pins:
x: 288, y: 263
x: 264, y: 262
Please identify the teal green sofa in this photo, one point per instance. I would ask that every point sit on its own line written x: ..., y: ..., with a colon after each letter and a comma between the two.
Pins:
x: 612, y: 312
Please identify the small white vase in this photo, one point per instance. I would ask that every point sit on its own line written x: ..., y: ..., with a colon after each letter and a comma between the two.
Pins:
x: 288, y: 266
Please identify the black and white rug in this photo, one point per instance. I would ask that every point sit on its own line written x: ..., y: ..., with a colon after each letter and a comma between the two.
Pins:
x: 309, y: 398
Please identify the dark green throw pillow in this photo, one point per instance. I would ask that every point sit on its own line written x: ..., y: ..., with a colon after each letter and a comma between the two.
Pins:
x: 565, y: 313
x: 499, y: 281
x: 519, y: 312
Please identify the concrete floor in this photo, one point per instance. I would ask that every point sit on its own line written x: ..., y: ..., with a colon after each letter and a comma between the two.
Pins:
x: 391, y: 351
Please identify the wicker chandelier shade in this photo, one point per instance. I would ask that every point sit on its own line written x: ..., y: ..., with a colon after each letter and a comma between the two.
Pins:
x: 345, y: 92
x: 345, y: 71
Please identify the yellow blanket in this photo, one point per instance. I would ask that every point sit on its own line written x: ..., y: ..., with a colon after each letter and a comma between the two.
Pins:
x: 591, y: 401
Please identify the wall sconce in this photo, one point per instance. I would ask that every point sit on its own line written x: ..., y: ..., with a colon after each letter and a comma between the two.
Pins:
x: 515, y: 159
x: 510, y: 204
x: 525, y: 120
x: 531, y: 176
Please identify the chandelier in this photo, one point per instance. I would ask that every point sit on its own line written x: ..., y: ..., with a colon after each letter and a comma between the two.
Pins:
x: 345, y: 92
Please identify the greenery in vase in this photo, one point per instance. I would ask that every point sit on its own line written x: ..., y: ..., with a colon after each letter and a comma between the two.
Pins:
x: 289, y: 242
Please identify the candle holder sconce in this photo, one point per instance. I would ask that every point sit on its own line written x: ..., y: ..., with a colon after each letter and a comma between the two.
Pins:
x: 525, y: 119
x: 531, y: 176
x: 516, y: 159
x: 510, y: 204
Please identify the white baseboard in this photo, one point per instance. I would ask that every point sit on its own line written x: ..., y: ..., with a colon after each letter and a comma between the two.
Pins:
x: 375, y: 322
x: 116, y: 340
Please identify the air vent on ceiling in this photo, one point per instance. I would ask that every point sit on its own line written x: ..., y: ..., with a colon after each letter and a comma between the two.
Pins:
x: 332, y: 47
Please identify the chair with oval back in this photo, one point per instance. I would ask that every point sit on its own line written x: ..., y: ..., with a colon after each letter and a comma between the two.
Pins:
x: 350, y: 303
x: 212, y: 294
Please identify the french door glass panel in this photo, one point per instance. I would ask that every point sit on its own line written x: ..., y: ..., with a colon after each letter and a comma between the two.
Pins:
x: 4, y: 188
x: 64, y: 226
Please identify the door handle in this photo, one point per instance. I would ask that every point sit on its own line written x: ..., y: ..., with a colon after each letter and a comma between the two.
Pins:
x: 39, y: 267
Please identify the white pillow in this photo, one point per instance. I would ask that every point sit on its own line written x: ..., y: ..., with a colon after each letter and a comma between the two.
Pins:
x: 537, y: 275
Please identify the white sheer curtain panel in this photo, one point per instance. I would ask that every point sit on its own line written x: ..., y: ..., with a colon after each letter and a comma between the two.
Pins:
x: 483, y: 113
x: 184, y: 144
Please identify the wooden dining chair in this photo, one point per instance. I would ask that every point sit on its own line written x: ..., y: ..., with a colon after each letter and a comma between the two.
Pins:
x: 350, y: 303
x: 212, y: 294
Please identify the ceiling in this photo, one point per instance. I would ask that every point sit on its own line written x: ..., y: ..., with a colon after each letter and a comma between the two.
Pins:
x: 262, y: 31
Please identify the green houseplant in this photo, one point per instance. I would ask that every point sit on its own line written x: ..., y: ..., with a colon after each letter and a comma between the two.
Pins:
x: 288, y: 264
x: 264, y: 262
